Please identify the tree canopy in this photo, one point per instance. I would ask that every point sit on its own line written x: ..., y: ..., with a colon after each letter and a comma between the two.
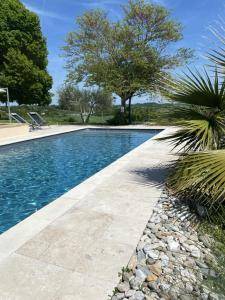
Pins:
x: 23, y: 55
x: 128, y: 56
x: 86, y: 101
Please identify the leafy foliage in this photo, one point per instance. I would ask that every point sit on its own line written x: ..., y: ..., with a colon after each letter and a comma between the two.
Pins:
x: 218, y: 56
x: 197, y: 89
x: 128, y: 56
x: 86, y: 101
x: 202, y: 172
x: 199, y: 175
x: 203, y: 132
x: 23, y: 55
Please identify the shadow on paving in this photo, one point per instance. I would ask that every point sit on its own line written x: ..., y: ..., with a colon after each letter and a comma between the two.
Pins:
x: 152, y: 176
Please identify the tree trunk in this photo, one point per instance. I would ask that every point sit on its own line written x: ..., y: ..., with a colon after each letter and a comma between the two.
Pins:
x: 81, y: 114
x: 82, y: 118
x: 129, y: 111
x: 123, y: 106
x: 89, y: 114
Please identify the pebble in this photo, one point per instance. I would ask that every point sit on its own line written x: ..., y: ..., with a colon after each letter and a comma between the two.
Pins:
x: 152, y: 277
x: 120, y: 296
x: 170, y: 261
x: 141, y: 274
x: 136, y: 282
x: 123, y: 287
x: 130, y: 293
x: 173, y: 245
x: 156, y: 269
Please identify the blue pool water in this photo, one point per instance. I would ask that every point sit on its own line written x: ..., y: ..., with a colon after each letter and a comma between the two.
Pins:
x: 34, y: 173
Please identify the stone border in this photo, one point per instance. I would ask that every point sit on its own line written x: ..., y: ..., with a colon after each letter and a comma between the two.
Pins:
x: 16, y: 236
x: 57, y: 130
x: 172, y: 260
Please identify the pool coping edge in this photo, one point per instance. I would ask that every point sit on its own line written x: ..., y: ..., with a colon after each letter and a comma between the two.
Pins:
x: 22, y: 232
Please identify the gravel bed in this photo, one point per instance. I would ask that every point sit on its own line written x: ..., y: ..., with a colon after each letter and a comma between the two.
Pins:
x: 172, y: 258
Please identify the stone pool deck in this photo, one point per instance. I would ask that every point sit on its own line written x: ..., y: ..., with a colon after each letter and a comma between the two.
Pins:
x: 74, y: 247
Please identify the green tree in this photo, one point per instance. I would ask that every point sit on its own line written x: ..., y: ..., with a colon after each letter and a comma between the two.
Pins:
x: 23, y: 55
x: 86, y: 101
x: 68, y: 97
x: 125, y: 57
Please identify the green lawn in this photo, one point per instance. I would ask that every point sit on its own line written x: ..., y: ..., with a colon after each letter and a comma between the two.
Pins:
x: 152, y: 114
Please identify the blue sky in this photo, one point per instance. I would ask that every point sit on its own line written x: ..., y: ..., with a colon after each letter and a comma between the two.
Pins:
x: 58, y: 18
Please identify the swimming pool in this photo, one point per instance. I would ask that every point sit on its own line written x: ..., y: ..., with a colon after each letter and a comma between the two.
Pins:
x: 34, y: 173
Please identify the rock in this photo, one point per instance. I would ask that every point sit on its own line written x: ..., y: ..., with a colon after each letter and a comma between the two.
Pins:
x: 173, y: 245
x: 151, y: 277
x: 185, y: 273
x: 201, y: 264
x: 140, y: 255
x: 158, y: 245
x: 195, y: 252
x: 173, y: 295
x: 205, y: 272
x: 141, y: 274
x: 144, y: 268
x: 150, y: 225
x: 137, y: 296
x: 194, y: 237
x: 164, y: 217
x: 170, y: 259
x: 132, y: 263
x: 190, y: 263
x: 204, y: 296
x: 182, y: 239
x: 205, y: 290
x: 154, y: 254
x: 127, y: 276
x: 146, y: 290
x: 123, y: 287
x: 165, y: 260
x: 156, y: 219
x: 209, y: 258
x: 212, y: 273
x: 120, y: 296
x: 186, y: 297
x: 213, y: 296
x: 140, y: 245
x: 136, y: 282
x: 150, y: 261
x: 189, y: 287
x: 130, y: 293
x: 151, y: 297
x: 156, y: 269
x: 153, y: 286
x: 164, y: 287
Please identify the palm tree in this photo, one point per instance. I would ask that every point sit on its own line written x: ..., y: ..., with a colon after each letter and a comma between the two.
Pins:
x: 200, y: 172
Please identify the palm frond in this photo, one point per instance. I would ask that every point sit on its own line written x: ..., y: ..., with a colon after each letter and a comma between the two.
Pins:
x: 202, y: 173
x: 195, y: 88
x: 218, y: 56
x: 202, y: 133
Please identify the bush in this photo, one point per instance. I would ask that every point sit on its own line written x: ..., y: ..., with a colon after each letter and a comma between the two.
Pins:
x: 119, y: 118
x: 70, y: 120
x: 138, y: 115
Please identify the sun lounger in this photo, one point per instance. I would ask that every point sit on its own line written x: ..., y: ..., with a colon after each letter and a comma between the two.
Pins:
x: 37, y: 119
x: 21, y: 120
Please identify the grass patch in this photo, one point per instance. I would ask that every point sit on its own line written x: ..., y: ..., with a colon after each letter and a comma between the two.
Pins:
x: 218, y: 233
x: 147, y: 113
x: 53, y: 114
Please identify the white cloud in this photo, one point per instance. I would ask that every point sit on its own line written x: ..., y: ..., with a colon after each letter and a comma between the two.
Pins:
x: 45, y: 13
